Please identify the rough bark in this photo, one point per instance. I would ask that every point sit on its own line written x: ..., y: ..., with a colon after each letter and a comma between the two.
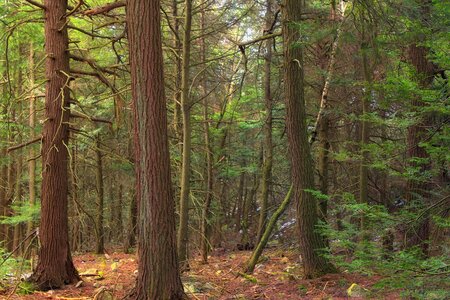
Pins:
x: 205, y: 227
x: 158, y: 276
x: 55, y: 267
x: 178, y: 66
x: 311, y: 242
x: 183, y: 234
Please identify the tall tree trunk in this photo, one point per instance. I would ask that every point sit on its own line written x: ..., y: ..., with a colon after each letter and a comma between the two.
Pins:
x: 17, y: 199
x: 311, y: 241
x: 31, y: 151
x: 158, y: 276
x: 178, y: 67
x: 100, y: 243
x: 55, y: 266
x: 205, y: 227
x: 183, y: 238
x: 418, y: 188
x: 365, y: 131
x: 322, y: 125
x: 4, y: 168
x: 268, y: 147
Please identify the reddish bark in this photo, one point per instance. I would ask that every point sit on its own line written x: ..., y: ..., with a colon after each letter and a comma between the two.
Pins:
x: 55, y: 267
x: 158, y: 276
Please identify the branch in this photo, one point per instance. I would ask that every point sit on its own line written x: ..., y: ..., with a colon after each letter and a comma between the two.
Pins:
x: 104, y: 9
x: 261, y: 38
x: 24, y: 144
x: 75, y: 114
x: 92, y: 63
x: 35, y: 3
x: 74, y: 10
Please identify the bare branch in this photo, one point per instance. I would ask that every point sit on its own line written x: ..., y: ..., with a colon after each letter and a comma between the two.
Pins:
x: 104, y: 9
x: 39, y: 138
x: 259, y: 39
x: 75, y: 114
x: 35, y: 3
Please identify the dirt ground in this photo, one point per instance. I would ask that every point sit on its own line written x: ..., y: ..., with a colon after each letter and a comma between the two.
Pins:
x: 278, y: 276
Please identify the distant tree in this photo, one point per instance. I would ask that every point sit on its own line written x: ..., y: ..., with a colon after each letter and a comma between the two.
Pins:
x: 418, y: 188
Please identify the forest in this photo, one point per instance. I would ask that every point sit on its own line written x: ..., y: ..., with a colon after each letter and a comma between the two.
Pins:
x: 224, y: 149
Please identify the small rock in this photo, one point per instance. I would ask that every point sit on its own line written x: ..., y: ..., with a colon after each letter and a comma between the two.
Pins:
x: 356, y: 291
x: 79, y: 284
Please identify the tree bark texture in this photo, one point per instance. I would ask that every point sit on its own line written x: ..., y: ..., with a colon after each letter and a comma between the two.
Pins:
x: 268, y: 147
x: 205, y: 226
x: 311, y: 242
x: 183, y: 234
x: 158, y: 276
x: 55, y: 266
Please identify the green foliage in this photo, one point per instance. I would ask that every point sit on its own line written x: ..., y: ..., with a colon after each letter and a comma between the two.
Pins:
x: 368, y: 252
x: 10, y: 267
x: 22, y: 213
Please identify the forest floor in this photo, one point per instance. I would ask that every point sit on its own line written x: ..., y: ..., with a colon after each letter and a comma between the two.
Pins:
x: 277, y: 277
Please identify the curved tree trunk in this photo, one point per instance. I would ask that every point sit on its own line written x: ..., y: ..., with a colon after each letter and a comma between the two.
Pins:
x: 55, y: 267
x: 267, y: 233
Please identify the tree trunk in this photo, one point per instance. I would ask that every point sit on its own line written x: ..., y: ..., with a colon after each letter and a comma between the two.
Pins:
x: 76, y: 220
x: 158, y: 276
x: 130, y: 239
x: 311, y: 241
x: 418, y: 188
x: 100, y: 242
x: 250, y: 195
x: 31, y: 151
x: 365, y: 132
x: 183, y: 237
x: 205, y: 227
x: 117, y: 222
x: 178, y: 63
x: 268, y: 147
x: 55, y: 266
